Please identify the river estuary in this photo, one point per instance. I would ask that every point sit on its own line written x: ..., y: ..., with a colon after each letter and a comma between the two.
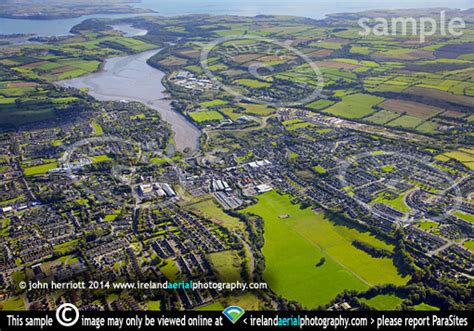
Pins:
x: 131, y: 78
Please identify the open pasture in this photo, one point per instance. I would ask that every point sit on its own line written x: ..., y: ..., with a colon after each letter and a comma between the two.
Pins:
x: 355, y: 105
x: 294, y: 246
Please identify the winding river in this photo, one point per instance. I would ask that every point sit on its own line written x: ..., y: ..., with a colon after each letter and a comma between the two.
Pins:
x: 131, y: 78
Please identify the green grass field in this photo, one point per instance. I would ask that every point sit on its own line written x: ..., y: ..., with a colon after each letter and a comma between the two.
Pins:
x: 101, y: 158
x: 465, y: 216
x: 320, y: 104
x: 382, y: 117
x: 66, y: 247
x: 292, y: 125
x: 97, y: 128
x: 206, y: 116
x: 294, y: 245
x: 41, y: 169
x: 319, y: 169
x: 354, y: 106
x: 247, y: 301
x: 13, y: 304
x: 211, y: 211
x: 213, y: 103
x: 406, y: 121
x: 383, y: 302
x: 154, y: 305
x: 216, y: 306
x: 262, y: 110
x: 227, y: 265
x: 396, y: 203
x: 466, y: 158
x: 425, y: 307
x: 469, y: 244
x: 427, y: 225
x: 252, y: 83
x: 170, y: 270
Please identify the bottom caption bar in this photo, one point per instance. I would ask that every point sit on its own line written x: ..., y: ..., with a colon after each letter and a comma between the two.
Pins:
x: 68, y: 317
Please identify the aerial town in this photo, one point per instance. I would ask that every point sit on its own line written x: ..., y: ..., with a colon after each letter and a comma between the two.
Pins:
x: 342, y: 196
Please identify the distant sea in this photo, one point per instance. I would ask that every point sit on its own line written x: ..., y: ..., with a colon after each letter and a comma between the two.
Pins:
x: 317, y: 9
x: 307, y: 8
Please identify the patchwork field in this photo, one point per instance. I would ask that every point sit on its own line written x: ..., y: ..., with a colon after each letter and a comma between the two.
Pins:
x: 411, y: 108
x: 295, y: 245
x: 441, y: 95
x: 382, y: 117
x: 464, y: 157
x: 406, y: 121
x: 59, y: 69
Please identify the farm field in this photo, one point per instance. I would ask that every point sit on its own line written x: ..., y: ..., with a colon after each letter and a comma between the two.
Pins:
x: 254, y: 109
x: 382, y: 117
x: 231, y: 113
x: 320, y: 104
x: 319, y: 169
x: 441, y: 95
x: 354, y: 106
x: 406, y: 121
x: 411, y: 108
x: 428, y: 127
x: 252, y: 83
x: 464, y: 157
x: 213, y: 103
x: 59, y: 69
x: 97, y: 128
x: 294, y: 245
